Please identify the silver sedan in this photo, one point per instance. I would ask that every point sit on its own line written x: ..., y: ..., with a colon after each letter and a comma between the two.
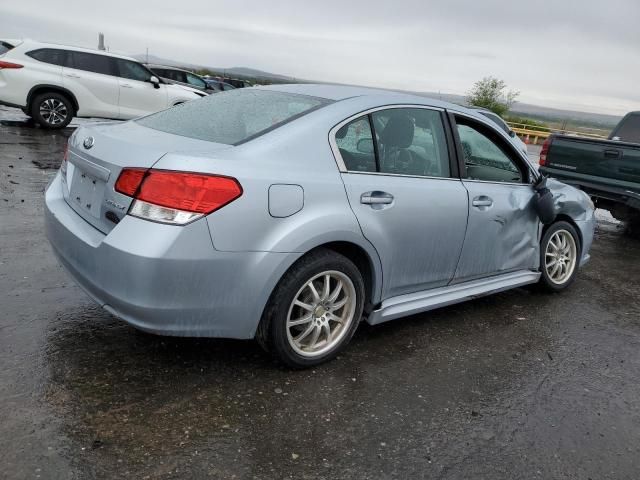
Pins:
x: 290, y: 213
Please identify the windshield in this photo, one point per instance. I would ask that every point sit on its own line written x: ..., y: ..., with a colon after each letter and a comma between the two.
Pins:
x: 497, y: 120
x: 232, y: 117
x: 628, y: 130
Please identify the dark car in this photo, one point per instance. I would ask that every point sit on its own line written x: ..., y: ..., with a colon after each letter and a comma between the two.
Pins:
x: 607, y: 170
x: 180, y: 76
x: 218, y: 85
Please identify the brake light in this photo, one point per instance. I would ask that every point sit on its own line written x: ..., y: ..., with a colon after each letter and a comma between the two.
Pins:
x: 129, y: 181
x: 175, y: 197
x: 9, y: 65
x: 545, y: 150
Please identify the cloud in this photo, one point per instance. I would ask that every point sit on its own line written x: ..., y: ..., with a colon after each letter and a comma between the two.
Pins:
x: 560, y: 53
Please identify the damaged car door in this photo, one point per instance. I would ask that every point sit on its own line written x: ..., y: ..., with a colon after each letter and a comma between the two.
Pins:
x: 503, y: 226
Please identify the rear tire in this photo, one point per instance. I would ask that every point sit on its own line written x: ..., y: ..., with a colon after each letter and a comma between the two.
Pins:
x: 560, y: 254
x: 314, y: 310
x: 52, y: 110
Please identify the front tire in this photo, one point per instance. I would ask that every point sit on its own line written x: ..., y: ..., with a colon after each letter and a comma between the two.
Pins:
x: 52, y: 110
x: 314, y: 311
x: 560, y: 253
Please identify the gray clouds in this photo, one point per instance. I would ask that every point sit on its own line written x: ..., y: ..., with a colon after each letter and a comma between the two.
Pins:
x: 562, y: 53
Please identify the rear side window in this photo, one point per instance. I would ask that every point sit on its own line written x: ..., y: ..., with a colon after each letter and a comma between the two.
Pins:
x: 397, y: 141
x: 355, y: 142
x: 233, y: 117
x: 629, y: 129
x: 411, y: 141
x: 53, y: 56
x: 90, y: 62
x: 5, y: 47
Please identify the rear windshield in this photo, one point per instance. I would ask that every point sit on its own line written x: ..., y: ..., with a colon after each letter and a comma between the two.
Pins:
x: 232, y: 117
x: 5, y: 47
x: 628, y: 130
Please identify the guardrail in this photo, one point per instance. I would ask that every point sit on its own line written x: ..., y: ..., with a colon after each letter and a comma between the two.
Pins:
x: 532, y: 133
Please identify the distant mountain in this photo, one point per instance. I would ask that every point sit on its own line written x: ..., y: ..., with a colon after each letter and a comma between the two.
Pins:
x: 242, y: 72
x: 542, y: 113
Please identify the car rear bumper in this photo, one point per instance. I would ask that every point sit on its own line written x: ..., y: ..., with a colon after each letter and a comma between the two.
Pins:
x: 161, y: 278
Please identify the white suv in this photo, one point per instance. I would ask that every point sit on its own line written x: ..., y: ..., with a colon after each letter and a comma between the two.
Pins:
x: 54, y: 83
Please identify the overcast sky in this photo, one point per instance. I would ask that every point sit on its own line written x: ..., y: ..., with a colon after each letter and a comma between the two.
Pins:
x: 581, y: 55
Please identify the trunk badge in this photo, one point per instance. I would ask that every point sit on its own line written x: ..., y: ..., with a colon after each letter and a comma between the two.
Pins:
x: 88, y: 142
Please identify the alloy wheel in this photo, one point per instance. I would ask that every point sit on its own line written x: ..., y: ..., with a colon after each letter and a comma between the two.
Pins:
x: 53, y: 111
x: 560, y: 257
x: 321, y: 313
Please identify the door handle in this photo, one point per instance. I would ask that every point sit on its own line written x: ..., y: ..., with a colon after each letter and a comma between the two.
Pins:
x: 126, y: 85
x: 609, y: 153
x: 376, y: 198
x: 72, y: 75
x: 482, y: 201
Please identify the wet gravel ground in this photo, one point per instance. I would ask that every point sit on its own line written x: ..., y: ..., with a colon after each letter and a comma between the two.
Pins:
x: 517, y: 385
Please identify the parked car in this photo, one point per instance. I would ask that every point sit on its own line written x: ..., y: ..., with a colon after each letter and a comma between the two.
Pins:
x: 607, y: 170
x: 498, y: 120
x: 180, y: 77
x: 237, y: 83
x: 289, y: 213
x: 54, y: 83
x: 219, y: 85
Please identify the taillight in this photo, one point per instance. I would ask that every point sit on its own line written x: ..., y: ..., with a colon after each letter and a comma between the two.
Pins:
x: 10, y: 65
x: 545, y: 150
x: 175, y: 197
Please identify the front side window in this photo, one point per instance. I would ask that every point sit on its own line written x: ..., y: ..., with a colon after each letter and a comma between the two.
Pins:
x: 195, y: 80
x: 355, y: 143
x: 132, y: 70
x: 233, y: 117
x: 90, y: 62
x: 486, y: 157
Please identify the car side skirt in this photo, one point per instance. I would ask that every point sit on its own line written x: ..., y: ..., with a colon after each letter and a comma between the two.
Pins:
x: 409, y: 304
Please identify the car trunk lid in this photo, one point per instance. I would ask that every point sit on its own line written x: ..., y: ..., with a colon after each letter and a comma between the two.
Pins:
x: 98, y: 153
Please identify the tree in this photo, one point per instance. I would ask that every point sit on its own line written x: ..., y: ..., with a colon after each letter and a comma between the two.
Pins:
x: 491, y: 93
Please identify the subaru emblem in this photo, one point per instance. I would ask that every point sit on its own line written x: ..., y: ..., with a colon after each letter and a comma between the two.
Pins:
x: 88, y: 142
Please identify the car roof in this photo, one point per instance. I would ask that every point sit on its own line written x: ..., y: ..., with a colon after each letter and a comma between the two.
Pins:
x: 338, y: 92
x: 170, y: 67
x: 36, y: 44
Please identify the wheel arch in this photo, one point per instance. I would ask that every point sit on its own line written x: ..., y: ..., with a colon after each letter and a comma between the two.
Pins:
x: 42, y: 88
x: 364, y: 257
x: 562, y: 217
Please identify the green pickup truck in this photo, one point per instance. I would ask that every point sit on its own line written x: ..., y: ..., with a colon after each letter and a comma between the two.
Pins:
x: 607, y: 170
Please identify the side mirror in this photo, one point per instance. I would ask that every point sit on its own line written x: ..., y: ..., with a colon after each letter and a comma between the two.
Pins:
x: 155, y: 81
x: 512, y: 134
x: 365, y: 145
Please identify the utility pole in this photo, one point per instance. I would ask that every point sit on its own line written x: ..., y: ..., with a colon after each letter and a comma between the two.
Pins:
x: 101, y: 41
